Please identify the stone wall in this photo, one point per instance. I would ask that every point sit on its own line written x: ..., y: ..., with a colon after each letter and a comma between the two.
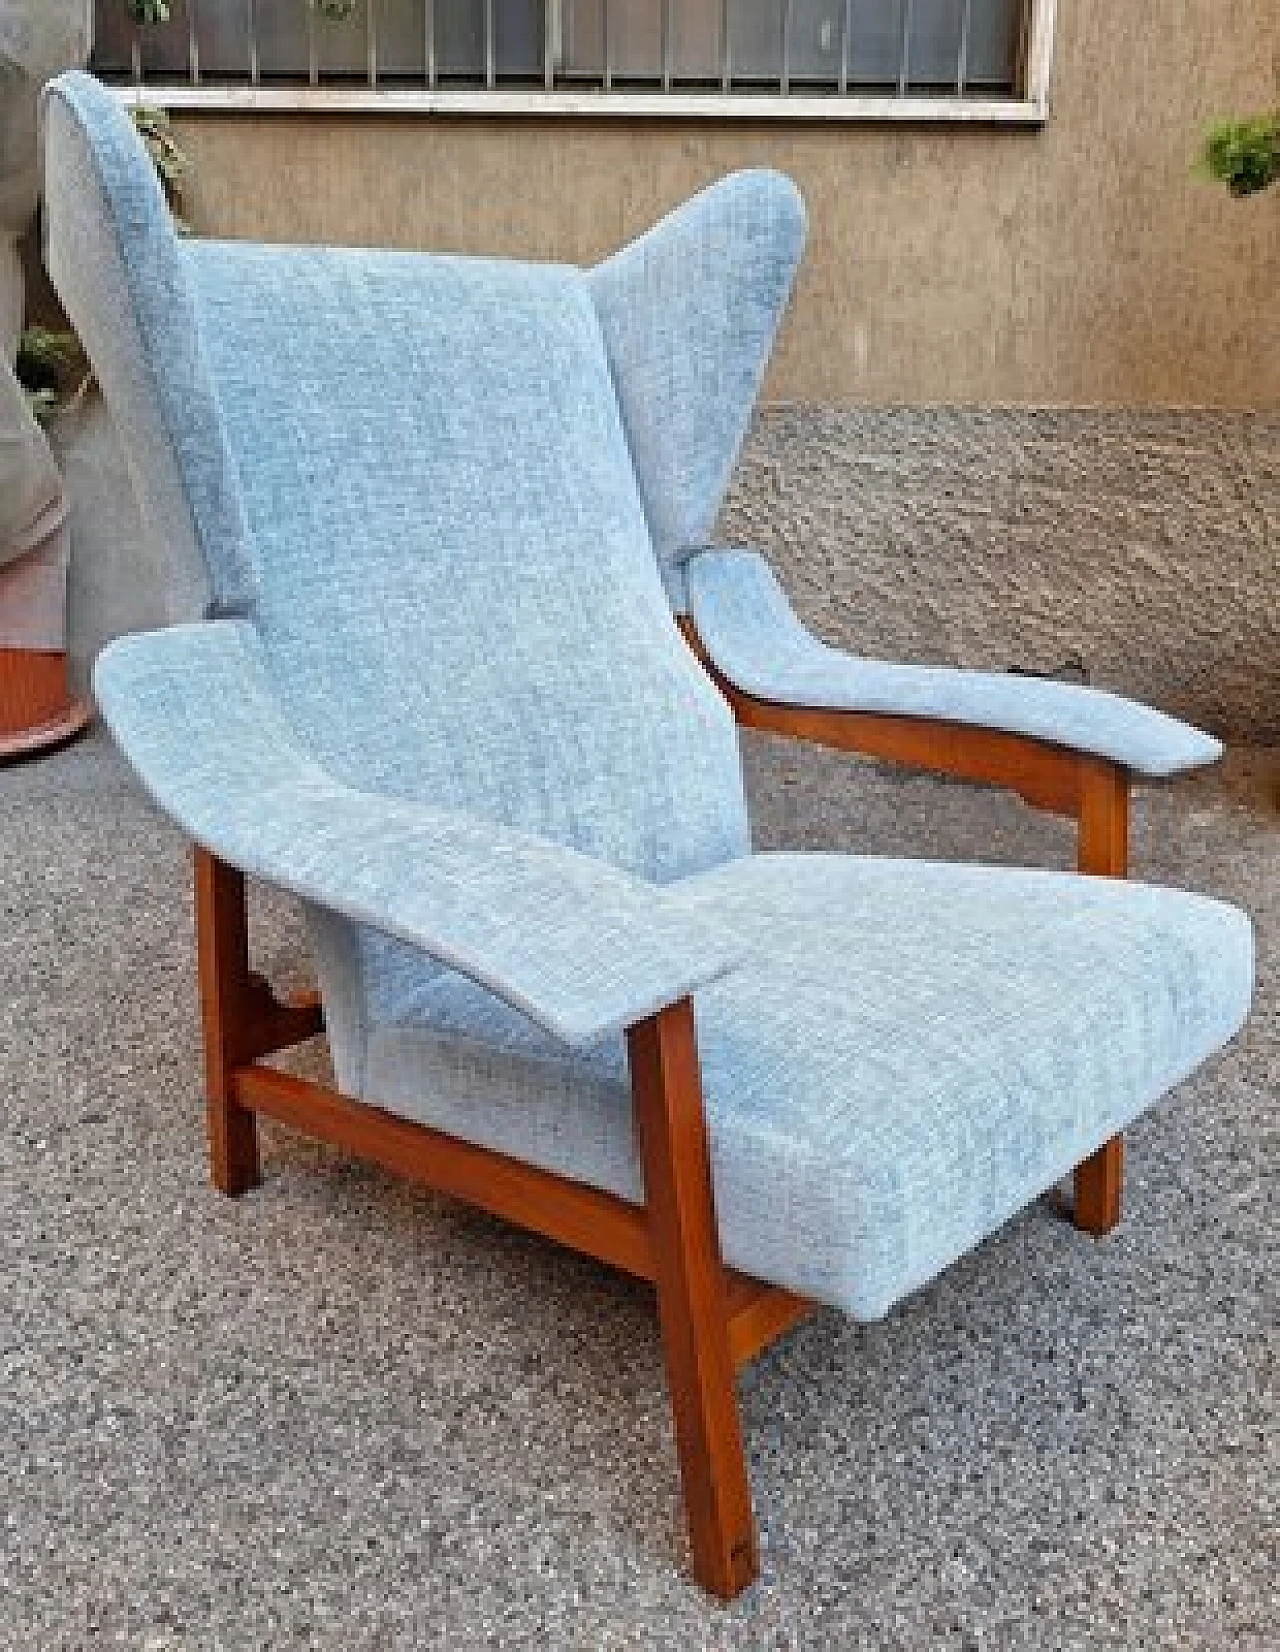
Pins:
x: 1143, y: 544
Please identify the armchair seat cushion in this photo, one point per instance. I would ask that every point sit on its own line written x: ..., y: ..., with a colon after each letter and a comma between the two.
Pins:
x: 756, y: 641
x: 912, y: 1052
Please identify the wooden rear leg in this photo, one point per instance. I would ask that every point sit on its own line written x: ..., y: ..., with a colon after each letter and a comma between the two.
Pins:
x: 1104, y: 852
x: 226, y: 993
x: 1099, y: 1185
x: 692, y: 1299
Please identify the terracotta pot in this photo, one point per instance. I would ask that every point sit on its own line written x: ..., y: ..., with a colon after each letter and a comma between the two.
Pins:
x: 38, y: 39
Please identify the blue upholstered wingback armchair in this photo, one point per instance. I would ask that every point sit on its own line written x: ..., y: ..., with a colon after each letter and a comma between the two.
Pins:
x: 424, y: 674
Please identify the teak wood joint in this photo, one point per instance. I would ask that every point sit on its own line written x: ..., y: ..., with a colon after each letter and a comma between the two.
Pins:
x: 712, y: 1320
x: 1060, y: 781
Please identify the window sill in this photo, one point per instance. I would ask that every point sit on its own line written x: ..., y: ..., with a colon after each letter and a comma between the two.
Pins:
x: 536, y: 102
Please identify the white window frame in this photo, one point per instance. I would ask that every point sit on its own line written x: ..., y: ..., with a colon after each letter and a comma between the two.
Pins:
x: 1029, y: 109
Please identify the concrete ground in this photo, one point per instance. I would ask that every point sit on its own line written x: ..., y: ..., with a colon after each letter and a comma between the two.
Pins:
x: 343, y: 1414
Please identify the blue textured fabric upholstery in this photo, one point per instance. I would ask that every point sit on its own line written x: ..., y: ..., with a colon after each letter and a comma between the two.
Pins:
x: 458, y: 598
x: 754, y: 637
x: 910, y: 1053
x: 113, y: 256
x: 573, y: 942
x: 457, y: 719
x: 689, y: 313
x: 585, y: 720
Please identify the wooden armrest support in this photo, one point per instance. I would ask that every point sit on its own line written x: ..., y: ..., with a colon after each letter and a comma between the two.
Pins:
x: 1089, y: 789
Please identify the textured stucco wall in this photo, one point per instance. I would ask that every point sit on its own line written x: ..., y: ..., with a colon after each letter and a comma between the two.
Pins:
x: 1146, y: 544
x: 1081, y: 264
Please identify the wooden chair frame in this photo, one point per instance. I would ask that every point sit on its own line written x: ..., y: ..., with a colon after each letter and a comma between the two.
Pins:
x: 712, y: 1319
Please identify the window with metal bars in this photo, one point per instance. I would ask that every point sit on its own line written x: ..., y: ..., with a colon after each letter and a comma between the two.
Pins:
x: 839, y: 57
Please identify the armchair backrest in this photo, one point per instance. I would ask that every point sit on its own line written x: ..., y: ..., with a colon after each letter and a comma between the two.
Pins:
x: 115, y: 260
x: 438, y: 485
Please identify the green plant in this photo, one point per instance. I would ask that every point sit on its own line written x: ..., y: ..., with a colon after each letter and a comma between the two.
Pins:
x: 49, y: 365
x: 1244, y: 155
x: 167, y: 156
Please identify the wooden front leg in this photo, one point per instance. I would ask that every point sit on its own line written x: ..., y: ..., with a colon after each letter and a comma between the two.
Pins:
x: 222, y: 951
x: 242, y: 1020
x: 692, y: 1298
x: 1103, y: 852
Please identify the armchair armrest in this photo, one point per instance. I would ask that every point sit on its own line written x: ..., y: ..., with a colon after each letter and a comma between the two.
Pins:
x: 579, y: 946
x: 754, y: 641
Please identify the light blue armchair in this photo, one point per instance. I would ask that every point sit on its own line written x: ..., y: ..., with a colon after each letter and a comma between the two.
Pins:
x: 424, y: 674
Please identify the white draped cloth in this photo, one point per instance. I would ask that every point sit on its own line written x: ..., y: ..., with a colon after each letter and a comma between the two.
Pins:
x: 38, y: 39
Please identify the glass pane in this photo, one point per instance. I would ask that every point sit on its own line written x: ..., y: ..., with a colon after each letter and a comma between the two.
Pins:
x: 222, y: 35
x: 814, y: 40
x: 282, y: 36
x: 342, y: 44
x: 402, y: 48
x: 993, y: 43
x: 755, y: 39
x: 112, y: 38
x: 165, y: 45
x: 582, y: 38
x: 875, y: 42
x: 460, y: 37
x: 936, y: 26
x: 635, y: 39
x: 695, y: 39
x: 518, y: 37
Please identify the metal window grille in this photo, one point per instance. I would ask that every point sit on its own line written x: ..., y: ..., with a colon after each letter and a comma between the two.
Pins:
x: 677, y: 56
